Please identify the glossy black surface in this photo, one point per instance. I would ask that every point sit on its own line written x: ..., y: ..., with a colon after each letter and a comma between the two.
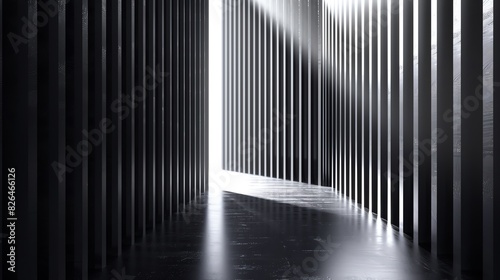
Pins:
x: 260, y: 228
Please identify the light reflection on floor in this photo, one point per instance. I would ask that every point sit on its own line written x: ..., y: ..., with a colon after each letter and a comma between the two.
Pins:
x: 259, y: 228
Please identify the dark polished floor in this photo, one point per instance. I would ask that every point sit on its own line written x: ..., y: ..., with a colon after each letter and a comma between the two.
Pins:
x: 259, y: 228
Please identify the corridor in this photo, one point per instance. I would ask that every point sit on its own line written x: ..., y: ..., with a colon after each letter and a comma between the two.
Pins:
x: 249, y: 139
x: 262, y: 228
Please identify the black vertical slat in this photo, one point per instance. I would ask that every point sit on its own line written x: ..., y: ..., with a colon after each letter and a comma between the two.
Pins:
x: 315, y: 48
x: 182, y: 102
x: 206, y: 94
x: 407, y: 96
x: 375, y: 97
x: 348, y: 98
x: 444, y: 130
x: 55, y: 126
x: 76, y: 123
x: 188, y: 94
x: 252, y: 89
x: 288, y: 117
x: 238, y: 90
x: 366, y: 107
x: 359, y: 93
x: 258, y: 90
x: 97, y: 136
x: 19, y: 121
x: 199, y: 68
x: 232, y: 89
x: 294, y: 92
x: 305, y: 20
x: 151, y: 96
x: 227, y: 83
x: 263, y: 91
x: 169, y: 161
x: 383, y: 86
x: 272, y: 76
x: 196, y: 69
x: 424, y: 123
x: 244, y: 93
x: 114, y: 151
x: 1, y: 127
x: 27, y: 187
x: 140, y: 118
x: 393, y: 171
x: 341, y: 107
x: 268, y: 94
x: 280, y: 118
x: 175, y: 107
x: 160, y: 79
x: 232, y: 77
x: 129, y: 133
x: 471, y: 138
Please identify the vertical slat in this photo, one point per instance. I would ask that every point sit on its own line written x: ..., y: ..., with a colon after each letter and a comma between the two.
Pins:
x: 169, y: 125
x: 159, y: 80
x: 115, y: 152
x: 496, y: 128
x: 358, y: 103
x: 424, y: 124
x: 416, y: 122
x: 444, y: 130
x: 488, y: 138
x: 140, y: 117
x: 375, y: 107
x: 19, y: 121
x: 394, y: 91
x: 306, y: 76
x: 383, y: 109
x: 349, y: 95
x: 296, y: 174
x: 225, y: 82
x: 57, y: 142
x: 129, y: 143
x: 239, y: 87
x: 408, y: 116
x: 366, y: 106
x: 232, y: 72
x: 77, y: 121
x: 315, y: 110
x: 97, y: 117
x: 472, y: 137
x: 151, y: 90
x: 287, y: 96
x: 1, y: 119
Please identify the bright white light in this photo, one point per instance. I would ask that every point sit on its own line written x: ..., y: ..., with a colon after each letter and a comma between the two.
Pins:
x: 216, y: 12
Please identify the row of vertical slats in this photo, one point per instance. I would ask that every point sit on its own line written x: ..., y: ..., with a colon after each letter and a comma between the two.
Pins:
x: 388, y: 101
x: 272, y: 108
x: 104, y: 116
x: 414, y: 121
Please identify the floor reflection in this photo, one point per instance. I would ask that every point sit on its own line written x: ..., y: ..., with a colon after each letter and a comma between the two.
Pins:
x: 258, y: 228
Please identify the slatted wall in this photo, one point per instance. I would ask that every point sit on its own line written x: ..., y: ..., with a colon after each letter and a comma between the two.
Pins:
x: 391, y: 102
x: 104, y: 116
x: 272, y: 103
